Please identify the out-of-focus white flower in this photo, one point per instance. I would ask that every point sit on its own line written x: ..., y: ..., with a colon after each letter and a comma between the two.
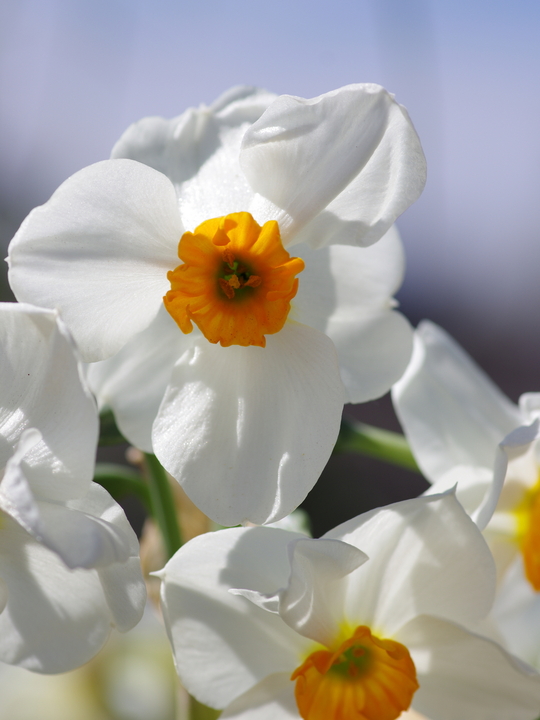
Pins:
x: 132, y: 678
x: 243, y: 411
x: 464, y: 431
x: 269, y: 624
x: 69, y: 566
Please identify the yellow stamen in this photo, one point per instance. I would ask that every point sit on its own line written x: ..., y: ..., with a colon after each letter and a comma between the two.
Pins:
x: 365, y: 678
x: 528, y: 516
x: 236, y: 281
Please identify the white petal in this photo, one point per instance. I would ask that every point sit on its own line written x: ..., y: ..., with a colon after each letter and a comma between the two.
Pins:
x: 514, y: 460
x: 516, y: 612
x: 199, y: 152
x: 3, y: 595
x: 271, y: 699
x: 41, y: 388
x: 347, y: 293
x: 133, y: 382
x: 99, y: 250
x: 223, y: 644
x: 312, y: 602
x: 79, y: 539
x: 354, y: 146
x: 373, y: 352
x: 122, y: 581
x: 425, y: 556
x: 248, y: 430
x: 529, y: 405
x: 472, y: 485
x: 462, y: 675
x: 451, y: 412
x: 55, y: 619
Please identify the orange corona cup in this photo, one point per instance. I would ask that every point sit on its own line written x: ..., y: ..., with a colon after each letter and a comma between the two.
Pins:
x: 236, y: 282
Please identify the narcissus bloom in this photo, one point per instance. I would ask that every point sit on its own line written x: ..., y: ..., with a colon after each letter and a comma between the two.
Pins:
x: 224, y: 337
x: 463, y: 430
x: 69, y: 566
x: 357, y: 625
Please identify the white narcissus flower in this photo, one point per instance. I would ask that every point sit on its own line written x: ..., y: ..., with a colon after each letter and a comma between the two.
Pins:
x: 357, y: 625
x: 244, y: 408
x: 69, y: 566
x: 463, y: 430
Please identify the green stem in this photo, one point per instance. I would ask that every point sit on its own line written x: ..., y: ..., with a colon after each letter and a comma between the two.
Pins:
x: 198, y: 711
x: 372, y: 441
x: 162, y: 503
x: 120, y: 480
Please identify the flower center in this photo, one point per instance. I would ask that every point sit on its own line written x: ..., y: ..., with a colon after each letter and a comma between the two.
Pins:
x: 366, y: 678
x: 236, y: 282
x: 528, y: 515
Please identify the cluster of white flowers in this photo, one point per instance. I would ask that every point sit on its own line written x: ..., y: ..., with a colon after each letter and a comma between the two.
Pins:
x: 227, y: 277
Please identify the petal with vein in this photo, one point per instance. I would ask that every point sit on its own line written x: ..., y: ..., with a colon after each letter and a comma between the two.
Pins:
x: 352, y: 153
x: 223, y: 644
x: 451, y: 412
x: 99, y: 251
x: 425, y: 556
x: 248, y: 430
x: 133, y: 382
x: 198, y: 151
x: 462, y: 675
x: 271, y: 699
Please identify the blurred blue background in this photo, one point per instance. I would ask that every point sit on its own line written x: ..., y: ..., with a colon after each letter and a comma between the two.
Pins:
x: 75, y: 73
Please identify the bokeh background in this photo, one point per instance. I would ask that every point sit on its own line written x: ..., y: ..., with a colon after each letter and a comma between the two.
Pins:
x: 75, y: 73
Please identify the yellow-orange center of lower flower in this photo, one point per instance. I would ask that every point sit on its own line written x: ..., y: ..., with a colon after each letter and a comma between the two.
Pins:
x: 236, y: 281
x: 365, y: 678
x: 528, y: 514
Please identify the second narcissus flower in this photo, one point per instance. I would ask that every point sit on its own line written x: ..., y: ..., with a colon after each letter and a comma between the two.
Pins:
x: 233, y: 365
x: 361, y: 624
x: 69, y: 559
x: 465, y: 432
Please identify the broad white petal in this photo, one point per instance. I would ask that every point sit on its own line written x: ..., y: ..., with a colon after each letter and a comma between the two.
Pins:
x: 373, y: 350
x: 451, y: 412
x: 516, y: 613
x: 55, y: 618
x: 99, y: 250
x: 352, y: 153
x: 462, y: 675
x: 425, y: 556
x: 223, y: 644
x: 248, y: 430
x: 133, y: 382
x: 341, y: 279
x: 199, y: 152
x: 271, y: 699
x: 347, y: 293
x: 41, y: 388
x: 122, y: 581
